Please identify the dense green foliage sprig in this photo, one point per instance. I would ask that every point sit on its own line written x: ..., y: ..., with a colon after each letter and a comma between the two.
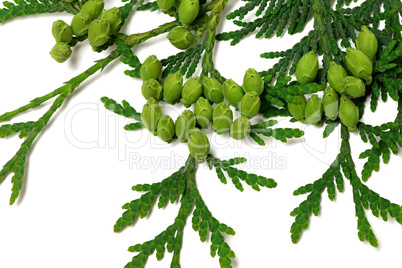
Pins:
x: 31, y: 7
x: 364, y: 197
x: 329, y: 25
x: 388, y: 80
x: 384, y: 140
x: 181, y: 186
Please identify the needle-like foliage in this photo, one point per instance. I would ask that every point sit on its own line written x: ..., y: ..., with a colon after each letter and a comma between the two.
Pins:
x: 19, y: 8
x: 125, y: 110
x: 181, y: 185
x: 335, y: 27
x: 384, y: 139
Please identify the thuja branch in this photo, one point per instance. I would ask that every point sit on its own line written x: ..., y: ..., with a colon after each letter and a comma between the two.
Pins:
x: 72, y: 83
x: 136, y: 39
x: 17, y: 163
x: 363, y: 197
x: 31, y: 130
x: 21, y: 8
x: 180, y: 185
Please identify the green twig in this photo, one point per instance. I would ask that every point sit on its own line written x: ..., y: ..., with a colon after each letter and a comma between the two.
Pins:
x: 209, y: 41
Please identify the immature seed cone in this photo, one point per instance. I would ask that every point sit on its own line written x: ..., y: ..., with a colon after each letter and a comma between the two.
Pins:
x: 198, y: 145
x: 98, y: 33
x: 331, y: 103
x: 188, y: 11
x: 80, y: 23
x: 151, y: 68
x: 336, y: 74
x: 151, y: 89
x: 307, y: 68
x: 222, y: 118
x: 314, y: 110
x: 203, y: 112
x: 113, y: 16
x: 367, y: 43
x: 151, y: 113
x: 60, y: 52
x: 240, y: 128
x: 212, y: 89
x: 93, y: 8
x: 252, y: 81
x: 297, y: 109
x: 348, y: 113
x: 165, y: 128
x: 181, y: 38
x: 250, y: 104
x: 192, y: 90
x: 165, y: 5
x: 354, y: 86
x: 173, y: 87
x: 232, y: 92
x: 185, y: 123
x: 62, y: 32
x: 359, y: 64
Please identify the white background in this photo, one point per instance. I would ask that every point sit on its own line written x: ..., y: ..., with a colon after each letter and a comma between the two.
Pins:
x: 83, y: 165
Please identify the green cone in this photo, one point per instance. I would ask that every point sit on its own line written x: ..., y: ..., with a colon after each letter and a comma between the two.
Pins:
x: 173, y: 87
x: 314, y: 110
x: 151, y: 113
x: 354, y: 86
x: 203, y: 112
x: 359, y: 64
x: 113, y: 16
x: 240, y: 128
x: 185, y: 123
x: 336, y: 74
x: 165, y: 128
x: 232, y: 92
x: 250, y: 104
x: 222, y: 118
x: 297, y: 110
x: 307, y: 68
x: 181, y: 38
x: 62, y: 32
x: 80, y: 23
x: 188, y: 11
x: 60, y: 52
x: 367, y: 43
x: 348, y: 113
x: 198, y: 145
x: 165, y: 5
x: 331, y: 103
x: 252, y: 81
x: 151, y: 68
x: 192, y: 90
x: 98, y: 33
x: 151, y: 89
x: 212, y: 89
x: 93, y: 8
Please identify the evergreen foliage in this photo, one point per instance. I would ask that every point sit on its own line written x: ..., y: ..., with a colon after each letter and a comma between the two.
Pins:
x: 335, y: 27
